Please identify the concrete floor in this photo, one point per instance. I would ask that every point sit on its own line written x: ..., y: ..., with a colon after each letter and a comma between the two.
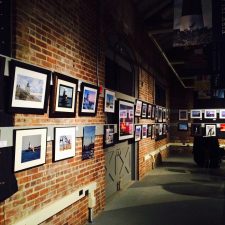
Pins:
x: 176, y: 193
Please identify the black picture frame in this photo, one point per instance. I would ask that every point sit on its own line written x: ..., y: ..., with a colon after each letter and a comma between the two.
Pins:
x: 144, y: 131
x: 182, y: 126
x: 109, y: 101
x: 29, y: 88
x: 138, y: 132
x: 88, y: 107
x: 109, y: 136
x: 196, y: 130
x: 63, y: 99
x: 144, y: 110
x: 138, y: 108
x: 153, y: 112
x: 149, y: 134
x: 149, y: 111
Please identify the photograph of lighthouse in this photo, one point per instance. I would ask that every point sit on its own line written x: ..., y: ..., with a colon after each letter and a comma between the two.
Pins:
x: 29, y: 88
x: 88, y: 142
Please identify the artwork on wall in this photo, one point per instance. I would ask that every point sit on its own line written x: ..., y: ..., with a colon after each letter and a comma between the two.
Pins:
x: 88, y: 101
x: 65, y: 143
x: 222, y: 127
x: 153, y: 112
x: 88, y: 142
x: 183, y: 126
x: 29, y: 87
x: 183, y: 114
x: 210, y: 114
x: 196, y: 129
x: 149, y: 134
x: 156, y: 113
x: 30, y: 148
x: 138, y: 107
x: 153, y: 131
x: 196, y: 114
x: 222, y: 114
x: 126, y: 120
x: 164, y: 129
x: 144, y: 130
x: 108, y: 138
x: 149, y: 112
x: 63, y: 96
x: 138, y: 131
x: 109, y: 101
x: 160, y: 115
x: 210, y: 130
x: 164, y: 115
x: 160, y: 129
x: 144, y: 110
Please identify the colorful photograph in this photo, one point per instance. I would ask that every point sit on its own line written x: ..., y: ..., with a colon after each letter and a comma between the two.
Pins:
x: 138, y: 131
x: 210, y: 130
x: 222, y: 127
x: 89, y: 99
x: 144, y: 130
x: 138, y: 108
x: 109, y: 105
x: 126, y: 120
x: 196, y: 114
x: 108, y: 135
x: 88, y: 142
x: 222, y: 113
x: 210, y: 114
x: 30, y: 148
x: 183, y: 114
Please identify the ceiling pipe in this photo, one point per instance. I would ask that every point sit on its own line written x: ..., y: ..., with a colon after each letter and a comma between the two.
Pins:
x: 167, y: 60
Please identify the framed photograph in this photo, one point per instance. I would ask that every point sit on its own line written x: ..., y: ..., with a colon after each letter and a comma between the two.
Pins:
x: 138, y: 130
x: 156, y: 113
x: 196, y: 130
x: 163, y: 115
x: 149, y: 111
x: 196, y: 114
x: 88, y: 101
x: 164, y: 129
x: 138, y: 108
x: 30, y: 148
x: 108, y: 138
x: 29, y: 88
x: 153, y: 131
x: 210, y: 130
x: 210, y: 114
x: 144, y: 110
x: 109, y: 101
x: 153, y: 111
x: 222, y: 114
x: 126, y: 120
x: 182, y: 127
x: 160, y: 129
x: 149, y: 134
x: 144, y: 130
x: 183, y: 114
x: 63, y: 96
x: 222, y: 127
x: 88, y: 142
x: 65, y: 143
x: 160, y: 114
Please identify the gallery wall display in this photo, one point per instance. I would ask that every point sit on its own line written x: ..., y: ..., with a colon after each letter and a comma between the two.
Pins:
x: 63, y: 96
x: 30, y: 148
x: 65, y: 143
x: 109, y: 101
x: 88, y: 101
x: 144, y: 130
x: 144, y: 110
x: 196, y: 114
x: 108, y: 138
x: 29, y: 88
x: 138, y: 131
x: 88, y: 142
x: 138, y: 108
x: 183, y: 114
x: 210, y: 114
x: 126, y: 120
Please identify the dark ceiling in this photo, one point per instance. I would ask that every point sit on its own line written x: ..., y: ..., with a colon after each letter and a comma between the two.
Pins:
x: 189, y: 63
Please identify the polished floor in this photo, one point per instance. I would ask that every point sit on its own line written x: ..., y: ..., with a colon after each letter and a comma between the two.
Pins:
x: 176, y: 193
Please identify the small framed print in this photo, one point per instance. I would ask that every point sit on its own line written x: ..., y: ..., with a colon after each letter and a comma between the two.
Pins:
x: 65, y: 143
x: 138, y: 108
x: 196, y: 114
x: 149, y: 134
x: 88, y: 101
x: 144, y: 110
x: 210, y: 130
x: 109, y: 101
x: 138, y: 131
x: 29, y: 88
x: 160, y: 114
x: 210, y: 114
x: 108, y: 138
x: 144, y: 130
x: 222, y: 113
x: 183, y: 114
x: 30, y: 148
x: 149, y: 111
x: 63, y: 96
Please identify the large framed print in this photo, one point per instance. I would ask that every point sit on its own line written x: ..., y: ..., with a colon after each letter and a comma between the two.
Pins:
x: 29, y: 88
x: 88, y: 101
x: 88, y: 142
x: 210, y: 114
x: 108, y: 138
x: 138, y: 131
x: 126, y: 120
x: 210, y: 130
x: 138, y: 108
x: 222, y: 114
x: 109, y: 101
x: 65, y: 143
x: 63, y: 96
x: 144, y: 110
x: 183, y: 114
x: 196, y: 114
x: 30, y: 148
